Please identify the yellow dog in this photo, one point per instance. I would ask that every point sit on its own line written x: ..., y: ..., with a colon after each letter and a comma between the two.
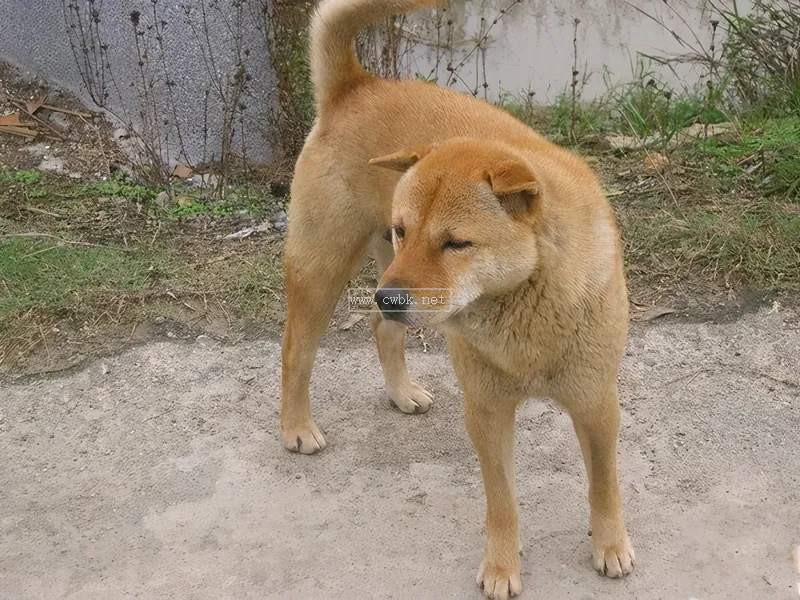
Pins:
x: 517, y: 229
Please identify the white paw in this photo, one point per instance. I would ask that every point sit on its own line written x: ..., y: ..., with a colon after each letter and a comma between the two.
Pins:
x: 307, y: 439
x: 411, y: 398
x: 499, y: 583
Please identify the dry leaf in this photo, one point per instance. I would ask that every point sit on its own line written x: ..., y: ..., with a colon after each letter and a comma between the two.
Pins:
x: 183, y: 171
x: 12, y: 119
x: 183, y: 201
x: 652, y: 313
x: 655, y: 162
x: 35, y: 105
x: 352, y: 320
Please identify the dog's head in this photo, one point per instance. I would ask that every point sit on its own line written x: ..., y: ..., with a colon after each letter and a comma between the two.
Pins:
x: 465, y: 218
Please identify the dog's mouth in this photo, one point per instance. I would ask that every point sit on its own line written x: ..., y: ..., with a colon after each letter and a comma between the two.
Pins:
x: 428, y: 307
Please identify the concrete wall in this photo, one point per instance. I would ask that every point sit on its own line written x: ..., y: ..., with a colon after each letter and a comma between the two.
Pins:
x: 36, y: 35
x: 530, y: 48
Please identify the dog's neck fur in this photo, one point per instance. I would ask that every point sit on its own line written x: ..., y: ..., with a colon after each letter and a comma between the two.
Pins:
x: 545, y: 308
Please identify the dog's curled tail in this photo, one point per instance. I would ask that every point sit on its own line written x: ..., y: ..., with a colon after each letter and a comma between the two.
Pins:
x: 333, y: 28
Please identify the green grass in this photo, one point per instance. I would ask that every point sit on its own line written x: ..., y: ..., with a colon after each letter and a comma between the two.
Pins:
x: 257, y: 288
x: 768, y: 156
x: 642, y: 107
x: 646, y: 106
x: 120, y: 186
x: 755, y: 243
x: 67, y: 280
x: 520, y: 106
x: 39, y: 185
x: 252, y: 199
x: 590, y: 118
x: 29, y: 177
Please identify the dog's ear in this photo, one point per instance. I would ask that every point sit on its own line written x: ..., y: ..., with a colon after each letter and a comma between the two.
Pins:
x: 514, y: 183
x: 402, y: 161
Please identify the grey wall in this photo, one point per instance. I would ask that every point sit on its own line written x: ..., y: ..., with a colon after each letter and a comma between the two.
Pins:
x: 35, y: 35
x: 530, y: 48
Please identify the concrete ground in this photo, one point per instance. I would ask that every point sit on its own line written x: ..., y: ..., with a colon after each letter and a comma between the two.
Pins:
x: 159, y: 474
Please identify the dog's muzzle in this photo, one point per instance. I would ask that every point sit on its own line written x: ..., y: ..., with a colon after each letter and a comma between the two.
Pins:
x: 394, y: 303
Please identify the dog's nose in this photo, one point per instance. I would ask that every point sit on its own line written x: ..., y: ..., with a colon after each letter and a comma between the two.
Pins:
x: 394, y: 302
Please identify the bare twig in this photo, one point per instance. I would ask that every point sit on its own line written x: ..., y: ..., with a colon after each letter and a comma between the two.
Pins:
x: 67, y: 111
x: 161, y: 414
x: 40, y: 211
x: 208, y: 262
x: 574, y: 78
x: 61, y: 240
x: 46, y: 347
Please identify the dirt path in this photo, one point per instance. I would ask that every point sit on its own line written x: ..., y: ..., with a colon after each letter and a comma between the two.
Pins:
x: 159, y: 473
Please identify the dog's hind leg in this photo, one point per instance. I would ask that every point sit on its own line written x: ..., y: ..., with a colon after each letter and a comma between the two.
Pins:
x: 320, y: 256
x: 390, y: 338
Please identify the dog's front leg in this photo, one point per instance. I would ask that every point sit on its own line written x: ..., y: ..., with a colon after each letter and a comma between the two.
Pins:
x: 490, y: 423
x: 596, y: 420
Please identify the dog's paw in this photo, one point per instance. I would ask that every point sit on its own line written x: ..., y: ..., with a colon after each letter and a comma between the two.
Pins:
x: 411, y: 398
x: 307, y: 439
x: 499, y: 583
x: 614, y: 560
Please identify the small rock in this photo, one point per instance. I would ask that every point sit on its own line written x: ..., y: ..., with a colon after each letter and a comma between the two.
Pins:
x: 60, y: 120
x: 239, y: 235
x: 715, y: 130
x: 281, y: 220
x: 206, y: 341
x: 163, y: 200
x: 159, y: 320
x: 170, y: 334
x: 205, y: 180
x: 596, y: 140
x: 105, y: 369
x: 39, y: 149
x: 623, y: 142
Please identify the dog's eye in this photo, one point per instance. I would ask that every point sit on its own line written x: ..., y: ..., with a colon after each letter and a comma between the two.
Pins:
x: 456, y: 244
x: 399, y: 231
